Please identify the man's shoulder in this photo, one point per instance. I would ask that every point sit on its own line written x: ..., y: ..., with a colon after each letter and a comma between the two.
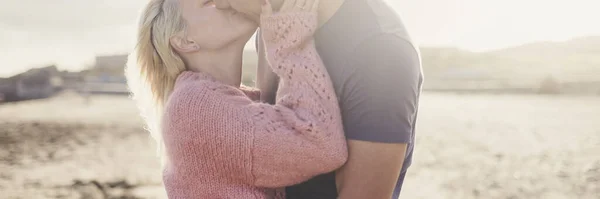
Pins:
x: 386, y: 43
x: 371, y: 21
x: 384, y: 52
x: 375, y: 17
x: 390, y: 32
x: 387, y: 19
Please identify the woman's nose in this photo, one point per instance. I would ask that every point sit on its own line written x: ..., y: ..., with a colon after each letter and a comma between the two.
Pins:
x: 222, y: 4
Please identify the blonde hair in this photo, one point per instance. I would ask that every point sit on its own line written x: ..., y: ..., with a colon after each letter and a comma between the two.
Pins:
x: 153, y: 66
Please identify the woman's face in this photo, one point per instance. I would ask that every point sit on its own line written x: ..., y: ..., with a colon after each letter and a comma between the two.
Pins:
x: 214, y: 28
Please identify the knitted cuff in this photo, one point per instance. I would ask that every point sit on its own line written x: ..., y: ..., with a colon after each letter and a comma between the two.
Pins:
x: 288, y: 29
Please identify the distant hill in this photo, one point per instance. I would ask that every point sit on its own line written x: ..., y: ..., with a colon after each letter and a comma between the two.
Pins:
x: 577, y: 59
x: 580, y: 45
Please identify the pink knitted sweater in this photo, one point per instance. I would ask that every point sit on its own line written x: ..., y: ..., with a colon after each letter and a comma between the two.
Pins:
x: 222, y: 144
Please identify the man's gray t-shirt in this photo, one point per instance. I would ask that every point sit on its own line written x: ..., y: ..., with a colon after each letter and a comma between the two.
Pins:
x: 376, y: 72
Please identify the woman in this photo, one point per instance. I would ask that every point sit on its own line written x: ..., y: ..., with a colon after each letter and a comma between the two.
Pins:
x: 219, y: 143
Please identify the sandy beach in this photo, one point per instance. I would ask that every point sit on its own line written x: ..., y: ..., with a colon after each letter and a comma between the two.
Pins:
x: 468, y: 146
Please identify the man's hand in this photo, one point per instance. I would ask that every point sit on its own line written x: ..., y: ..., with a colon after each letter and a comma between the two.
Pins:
x: 371, y: 171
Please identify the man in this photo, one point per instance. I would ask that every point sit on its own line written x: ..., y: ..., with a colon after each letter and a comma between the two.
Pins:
x: 376, y: 71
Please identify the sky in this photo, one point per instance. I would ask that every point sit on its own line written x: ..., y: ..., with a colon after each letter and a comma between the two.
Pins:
x: 69, y: 33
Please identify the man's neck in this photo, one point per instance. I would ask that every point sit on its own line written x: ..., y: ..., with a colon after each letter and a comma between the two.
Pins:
x: 225, y: 65
x: 328, y: 8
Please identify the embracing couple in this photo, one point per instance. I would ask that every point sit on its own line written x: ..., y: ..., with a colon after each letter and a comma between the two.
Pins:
x: 333, y: 114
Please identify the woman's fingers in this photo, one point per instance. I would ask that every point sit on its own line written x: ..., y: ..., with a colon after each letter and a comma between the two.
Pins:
x: 308, y: 5
x: 287, y: 6
x: 314, y: 6
x: 267, y: 9
x: 300, y: 5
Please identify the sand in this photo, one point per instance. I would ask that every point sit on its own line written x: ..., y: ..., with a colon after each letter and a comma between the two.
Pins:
x: 468, y: 146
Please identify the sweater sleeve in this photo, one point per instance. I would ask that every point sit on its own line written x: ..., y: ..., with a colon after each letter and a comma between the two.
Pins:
x: 297, y: 138
x: 263, y: 145
x: 301, y: 136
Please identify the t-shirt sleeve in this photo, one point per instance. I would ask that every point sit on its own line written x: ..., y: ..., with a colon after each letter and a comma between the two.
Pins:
x: 380, y: 97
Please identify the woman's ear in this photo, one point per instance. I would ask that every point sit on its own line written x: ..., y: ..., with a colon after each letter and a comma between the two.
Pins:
x: 182, y: 44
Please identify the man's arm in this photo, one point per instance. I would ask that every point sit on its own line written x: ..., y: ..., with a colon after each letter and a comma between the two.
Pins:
x: 374, y: 167
x: 380, y: 102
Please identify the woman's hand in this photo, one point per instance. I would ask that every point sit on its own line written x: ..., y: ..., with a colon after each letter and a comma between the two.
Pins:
x: 292, y: 25
x: 291, y: 6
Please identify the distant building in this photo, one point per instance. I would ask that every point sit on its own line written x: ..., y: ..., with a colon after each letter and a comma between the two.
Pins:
x: 73, y: 80
x: 8, y: 88
x: 113, y: 64
x: 33, y: 84
x: 107, y: 75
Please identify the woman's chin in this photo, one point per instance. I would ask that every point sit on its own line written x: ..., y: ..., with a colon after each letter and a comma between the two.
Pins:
x: 248, y: 31
x: 253, y: 18
x: 243, y: 19
x: 245, y: 38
